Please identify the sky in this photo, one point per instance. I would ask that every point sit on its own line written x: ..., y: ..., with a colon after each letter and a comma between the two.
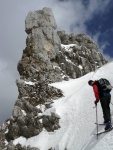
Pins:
x: 78, y: 117
x: 93, y: 17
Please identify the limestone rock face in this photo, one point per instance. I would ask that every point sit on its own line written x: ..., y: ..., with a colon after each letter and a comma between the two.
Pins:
x: 79, y: 54
x: 40, y: 18
x: 49, y: 56
x: 42, y: 46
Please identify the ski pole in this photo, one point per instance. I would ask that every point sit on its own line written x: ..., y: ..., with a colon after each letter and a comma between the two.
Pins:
x: 97, y: 121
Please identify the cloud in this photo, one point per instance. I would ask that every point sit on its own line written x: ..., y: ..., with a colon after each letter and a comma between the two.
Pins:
x: 96, y: 37
x: 70, y: 16
x: 8, y: 91
x: 102, y: 47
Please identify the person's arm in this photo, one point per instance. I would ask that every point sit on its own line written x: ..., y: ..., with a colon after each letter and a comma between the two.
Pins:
x: 95, y: 89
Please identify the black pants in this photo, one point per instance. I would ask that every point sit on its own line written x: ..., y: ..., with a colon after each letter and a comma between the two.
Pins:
x: 105, y: 104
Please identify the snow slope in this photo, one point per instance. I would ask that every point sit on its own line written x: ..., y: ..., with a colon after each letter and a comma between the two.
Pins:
x: 77, y: 117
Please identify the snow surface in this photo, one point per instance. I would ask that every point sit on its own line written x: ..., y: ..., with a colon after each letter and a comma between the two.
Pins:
x: 78, y: 117
x: 69, y: 46
x: 30, y: 83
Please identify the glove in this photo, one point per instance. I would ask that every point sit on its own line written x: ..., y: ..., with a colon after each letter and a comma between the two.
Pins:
x: 95, y: 102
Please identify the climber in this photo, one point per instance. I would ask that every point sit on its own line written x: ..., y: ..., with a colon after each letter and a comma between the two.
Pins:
x: 105, y: 98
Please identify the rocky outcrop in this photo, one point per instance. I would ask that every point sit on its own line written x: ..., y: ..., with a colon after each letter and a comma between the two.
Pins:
x: 49, y: 56
x: 42, y: 46
x: 79, y: 54
x: 45, y: 59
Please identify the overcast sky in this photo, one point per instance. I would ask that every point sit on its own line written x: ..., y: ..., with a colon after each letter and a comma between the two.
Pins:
x: 93, y: 17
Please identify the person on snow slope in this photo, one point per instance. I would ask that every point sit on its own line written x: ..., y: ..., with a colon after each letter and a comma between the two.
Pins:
x: 105, y: 98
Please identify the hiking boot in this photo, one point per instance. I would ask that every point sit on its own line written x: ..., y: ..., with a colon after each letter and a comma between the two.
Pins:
x: 108, y: 125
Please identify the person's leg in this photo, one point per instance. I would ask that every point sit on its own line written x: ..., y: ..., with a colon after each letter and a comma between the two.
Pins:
x: 105, y: 101
x: 108, y: 106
